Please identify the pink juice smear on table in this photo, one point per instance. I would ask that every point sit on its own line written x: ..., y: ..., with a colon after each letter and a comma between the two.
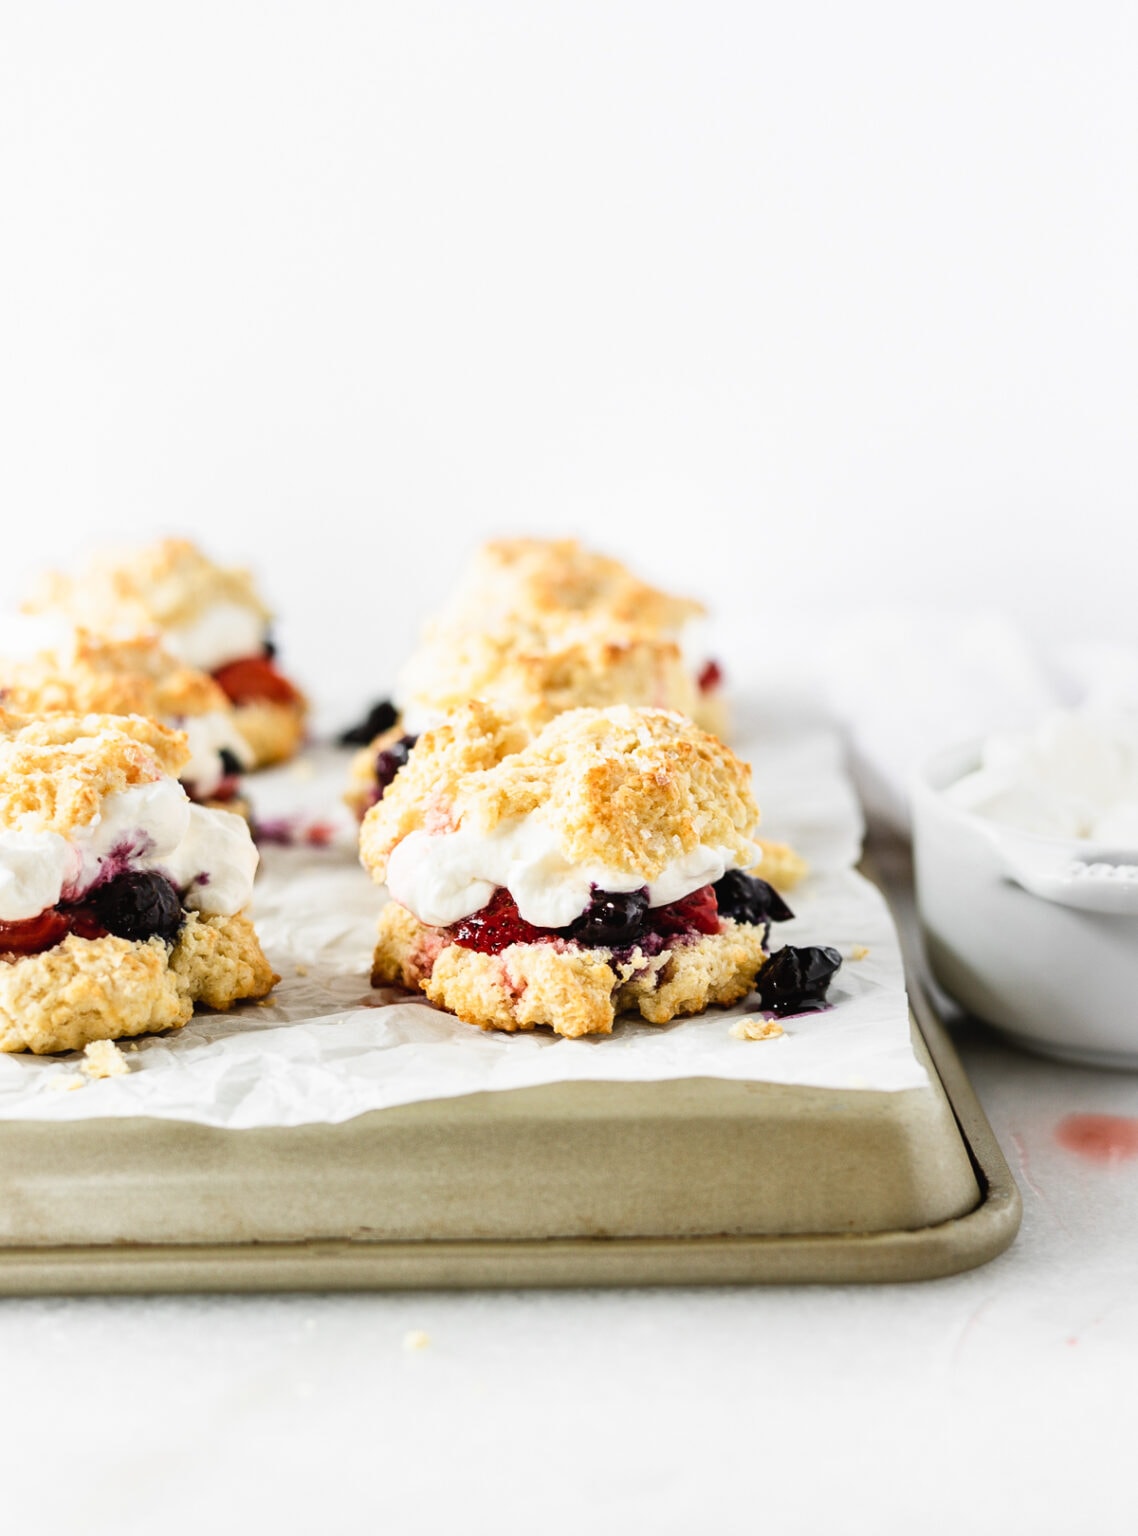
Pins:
x: 1099, y: 1138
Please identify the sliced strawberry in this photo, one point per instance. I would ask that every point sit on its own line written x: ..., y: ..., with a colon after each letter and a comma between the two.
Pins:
x: 711, y: 677
x: 228, y: 789
x: 254, y: 679
x: 697, y: 913
x: 497, y: 925
x: 34, y: 934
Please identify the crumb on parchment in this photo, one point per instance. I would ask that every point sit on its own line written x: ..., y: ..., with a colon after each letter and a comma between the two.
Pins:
x: 416, y: 1339
x: 302, y: 970
x: 67, y: 1084
x: 859, y: 952
x: 755, y: 1028
x: 104, y: 1059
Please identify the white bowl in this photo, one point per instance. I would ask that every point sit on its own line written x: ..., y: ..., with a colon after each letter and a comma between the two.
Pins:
x: 1036, y: 935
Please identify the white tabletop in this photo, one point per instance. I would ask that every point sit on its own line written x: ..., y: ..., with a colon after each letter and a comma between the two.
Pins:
x: 993, y: 1401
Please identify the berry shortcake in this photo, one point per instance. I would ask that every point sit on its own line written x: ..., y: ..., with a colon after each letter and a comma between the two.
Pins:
x: 84, y: 674
x: 121, y: 901
x: 564, y: 876
x: 550, y: 583
x: 209, y: 616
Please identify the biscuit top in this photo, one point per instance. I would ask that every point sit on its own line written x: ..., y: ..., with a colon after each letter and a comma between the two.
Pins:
x: 169, y: 585
x: 96, y: 676
x: 56, y: 771
x: 536, y: 676
x: 633, y: 792
x: 551, y: 581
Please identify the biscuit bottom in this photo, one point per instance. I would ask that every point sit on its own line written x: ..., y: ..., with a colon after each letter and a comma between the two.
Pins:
x: 274, y: 732
x: 573, y: 990
x: 108, y: 989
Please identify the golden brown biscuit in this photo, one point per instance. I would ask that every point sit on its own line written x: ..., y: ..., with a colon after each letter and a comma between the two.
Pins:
x: 540, y: 673
x: 533, y: 617
x: 56, y: 771
x: 112, y: 989
x: 274, y: 732
x: 575, y: 991
x: 544, y: 581
x: 92, y: 675
x: 218, y: 961
x: 209, y: 615
x: 97, y: 676
x: 154, y: 586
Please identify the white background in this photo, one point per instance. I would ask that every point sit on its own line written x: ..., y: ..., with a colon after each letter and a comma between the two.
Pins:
x: 789, y: 303
x: 795, y: 305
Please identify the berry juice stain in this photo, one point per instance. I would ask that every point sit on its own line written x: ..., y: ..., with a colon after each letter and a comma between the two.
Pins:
x: 1099, y: 1138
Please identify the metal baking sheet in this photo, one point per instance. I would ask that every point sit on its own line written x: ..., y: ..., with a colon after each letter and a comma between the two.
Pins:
x: 692, y: 1182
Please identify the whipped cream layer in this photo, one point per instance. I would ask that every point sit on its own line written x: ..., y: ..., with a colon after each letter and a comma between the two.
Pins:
x: 208, y: 736
x: 209, y: 855
x: 445, y: 876
x: 225, y: 631
x: 1075, y: 776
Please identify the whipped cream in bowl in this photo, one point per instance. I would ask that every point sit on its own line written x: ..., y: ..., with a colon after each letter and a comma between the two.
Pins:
x: 1075, y: 776
x: 1026, y: 858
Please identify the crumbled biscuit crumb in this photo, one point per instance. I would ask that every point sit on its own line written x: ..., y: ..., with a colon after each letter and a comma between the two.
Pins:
x: 416, y: 1339
x: 272, y: 732
x: 104, y: 1059
x: 859, y: 952
x: 755, y: 1028
x: 67, y: 1084
x: 781, y: 865
x: 302, y: 970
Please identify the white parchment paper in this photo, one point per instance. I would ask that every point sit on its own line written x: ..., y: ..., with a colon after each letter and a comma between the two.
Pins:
x: 326, y: 1047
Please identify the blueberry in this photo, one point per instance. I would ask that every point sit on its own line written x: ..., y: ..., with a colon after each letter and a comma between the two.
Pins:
x: 139, y: 905
x: 379, y: 718
x: 796, y: 980
x: 389, y: 761
x: 231, y: 764
x: 748, y: 900
x: 269, y: 649
x: 613, y: 919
